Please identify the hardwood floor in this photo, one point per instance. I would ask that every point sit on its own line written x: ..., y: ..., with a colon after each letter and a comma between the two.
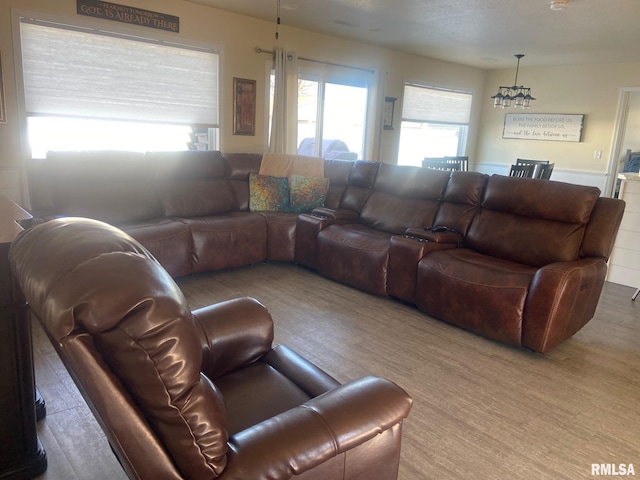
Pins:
x: 482, y: 410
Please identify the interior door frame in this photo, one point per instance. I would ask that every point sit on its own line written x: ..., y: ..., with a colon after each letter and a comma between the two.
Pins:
x: 619, y: 131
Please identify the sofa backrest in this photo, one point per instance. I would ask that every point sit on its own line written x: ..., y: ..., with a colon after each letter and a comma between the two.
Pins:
x: 404, y: 197
x: 534, y: 222
x: 338, y: 172
x: 461, y: 201
x: 238, y: 167
x: 114, y: 314
x: 191, y: 183
x: 362, y: 177
x: 114, y: 187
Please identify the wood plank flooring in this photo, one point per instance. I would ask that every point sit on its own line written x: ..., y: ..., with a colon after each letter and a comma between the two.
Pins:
x: 482, y: 410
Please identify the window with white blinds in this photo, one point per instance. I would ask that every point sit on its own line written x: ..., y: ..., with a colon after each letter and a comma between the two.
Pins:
x: 90, y: 73
x: 429, y: 104
x: 435, y: 123
x: 89, y: 89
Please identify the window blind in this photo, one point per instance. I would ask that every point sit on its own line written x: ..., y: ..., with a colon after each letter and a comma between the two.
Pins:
x: 73, y: 71
x: 428, y: 104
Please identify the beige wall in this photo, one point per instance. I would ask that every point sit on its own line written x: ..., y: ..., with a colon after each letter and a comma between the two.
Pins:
x: 592, y: 90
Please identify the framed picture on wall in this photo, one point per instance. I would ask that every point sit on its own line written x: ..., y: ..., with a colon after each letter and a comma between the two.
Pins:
x: 244, y: 106
x: 3, y: 109
x: 389, y: 107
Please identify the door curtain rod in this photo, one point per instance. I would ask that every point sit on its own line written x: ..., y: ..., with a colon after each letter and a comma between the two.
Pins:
x: 290, y: 57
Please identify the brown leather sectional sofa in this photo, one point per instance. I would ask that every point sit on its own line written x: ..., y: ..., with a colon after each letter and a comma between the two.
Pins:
x: 522, y: 261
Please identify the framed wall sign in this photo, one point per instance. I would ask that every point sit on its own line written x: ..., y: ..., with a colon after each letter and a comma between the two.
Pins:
x: 244, y: 106
x: 543, y: 126
x: 126, y: 14
x: 3, y: 106
x: 389, y: 107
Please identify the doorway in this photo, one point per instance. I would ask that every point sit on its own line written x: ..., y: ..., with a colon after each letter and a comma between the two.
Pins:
x: 626, y: 134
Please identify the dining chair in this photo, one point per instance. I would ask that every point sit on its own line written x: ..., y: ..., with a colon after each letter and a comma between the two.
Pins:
x: 544, y: 171
x: 522, y: 171
x: 535, y: 163
x: 442, y: 166
x: 462, y: 160
x: 445, y: 163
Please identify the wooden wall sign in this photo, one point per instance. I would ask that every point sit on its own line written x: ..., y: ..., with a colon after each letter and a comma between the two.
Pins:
x: 543, y: 126
x: 132, y: 15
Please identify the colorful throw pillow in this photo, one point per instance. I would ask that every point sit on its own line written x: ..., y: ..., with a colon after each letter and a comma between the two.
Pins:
x: 307, y: 193
x: 267, y: 193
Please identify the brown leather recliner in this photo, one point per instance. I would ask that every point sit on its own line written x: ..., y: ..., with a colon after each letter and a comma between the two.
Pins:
x: 195, y: 395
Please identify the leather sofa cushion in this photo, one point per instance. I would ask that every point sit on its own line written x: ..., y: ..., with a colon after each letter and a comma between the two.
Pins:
x: 404, y: 197
x: 112, y: 201
x: 483, y: 294
x: 281, y: 235
x: 363, y: 174
x: 97, y: 238
x: 337, y: 171
x: 187, y: 164
x: 114, y: 187
x: 571, y: 203
x: 356, y: 255
x: 462, y: 199
x: 245, y: 407
x: 139, y: 333
x: 168, y: 240
x: 192, y: 183
x: 231, y: 240
x: 532, y: 222
x: 415, y: 182
x: 239, y: 167
x: 195, y: 198
x: 394, y: 214
x: 361, y: 180
x: 530, y: 241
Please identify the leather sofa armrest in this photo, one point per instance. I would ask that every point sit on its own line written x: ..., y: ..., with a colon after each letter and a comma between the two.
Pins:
x: 311, y: 379
x: 562, y: 298
x: 233, y: 334
x: 434, y: 235
x: 306, y: 436
x: 340, y: 214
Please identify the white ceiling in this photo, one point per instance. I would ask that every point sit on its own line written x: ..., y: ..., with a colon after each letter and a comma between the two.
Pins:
x: 480, y: 33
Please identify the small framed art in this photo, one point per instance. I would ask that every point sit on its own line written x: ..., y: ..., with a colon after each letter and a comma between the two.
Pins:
x: 389, y: 107
x: 244, y: 106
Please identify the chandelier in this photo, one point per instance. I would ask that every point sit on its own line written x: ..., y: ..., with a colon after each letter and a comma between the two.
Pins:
x: 517, y: 95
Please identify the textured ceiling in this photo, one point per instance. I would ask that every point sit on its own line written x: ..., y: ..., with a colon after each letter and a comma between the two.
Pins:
x: 481, y: 33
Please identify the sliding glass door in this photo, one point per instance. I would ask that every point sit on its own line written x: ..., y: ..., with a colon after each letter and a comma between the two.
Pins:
x: 331, y: 118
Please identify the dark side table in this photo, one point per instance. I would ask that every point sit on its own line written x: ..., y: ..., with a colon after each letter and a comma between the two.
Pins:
x: 21, y: 453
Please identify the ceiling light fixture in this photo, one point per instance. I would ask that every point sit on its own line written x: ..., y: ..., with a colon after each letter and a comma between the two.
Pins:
x: 517, y: 95
x: 558, y: 4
